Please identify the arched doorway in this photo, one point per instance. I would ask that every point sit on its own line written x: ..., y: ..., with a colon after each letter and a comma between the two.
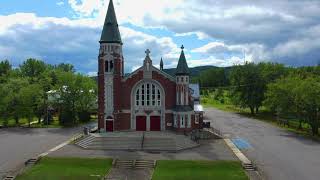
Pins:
x: 148, y: 106
x: 109, y: 124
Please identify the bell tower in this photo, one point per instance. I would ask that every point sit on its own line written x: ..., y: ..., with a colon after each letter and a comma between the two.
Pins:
x: 183, y: 110
x: 110, y: 70
x: 182, y: 80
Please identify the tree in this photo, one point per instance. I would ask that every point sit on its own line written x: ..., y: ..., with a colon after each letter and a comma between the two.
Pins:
x: 248, y: 87
x: 12, y: 97
x: 77, y: 96
x: 30, y: 98
x: 65, y: 67
x: 309, y: 101
x: 32, y: 68
x: 5, y: 68
x: 88, y: 99
x: 214, y: 77
x: 296, y: 95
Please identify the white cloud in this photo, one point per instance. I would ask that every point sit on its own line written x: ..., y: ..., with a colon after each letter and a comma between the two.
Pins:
x: 264, y: 26
x: 92, y: 74
x: 57, y: 40
x: 60, y: 3
x: 212, y: 60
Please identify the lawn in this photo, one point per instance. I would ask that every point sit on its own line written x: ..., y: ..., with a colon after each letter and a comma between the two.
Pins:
x: 67, y: 169
x: 54, y: 124
x: 185, y: 170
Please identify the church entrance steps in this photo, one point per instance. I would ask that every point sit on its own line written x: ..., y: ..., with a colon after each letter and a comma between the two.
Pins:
x: 131, y: 169
x: 137, y: 141
x: 137, y: 164
x: 85, y: 141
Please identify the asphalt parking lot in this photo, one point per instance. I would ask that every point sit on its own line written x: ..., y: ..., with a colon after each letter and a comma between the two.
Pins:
x: 279, y: 154
x: 20, y: 144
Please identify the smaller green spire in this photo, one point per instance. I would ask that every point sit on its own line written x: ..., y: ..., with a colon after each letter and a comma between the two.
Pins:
x: 182, y: 68
x: 161, y: 64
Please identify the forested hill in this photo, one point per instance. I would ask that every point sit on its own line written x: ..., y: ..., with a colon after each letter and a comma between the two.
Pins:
x: 195, y: 71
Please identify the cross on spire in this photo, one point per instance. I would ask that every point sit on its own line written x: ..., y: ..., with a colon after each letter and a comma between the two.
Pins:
x: 147, y: 52
x: 182, y: 47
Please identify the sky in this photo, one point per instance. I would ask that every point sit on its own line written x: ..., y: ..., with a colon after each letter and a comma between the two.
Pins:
x: 214, y: 32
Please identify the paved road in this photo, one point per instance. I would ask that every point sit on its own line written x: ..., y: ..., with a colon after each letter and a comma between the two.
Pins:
x: 280, y: 155
x: 20, y: 144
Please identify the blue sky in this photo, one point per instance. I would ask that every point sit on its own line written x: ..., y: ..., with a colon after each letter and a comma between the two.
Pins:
x: 214, y: 32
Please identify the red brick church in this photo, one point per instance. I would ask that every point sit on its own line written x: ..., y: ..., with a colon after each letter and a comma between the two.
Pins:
x: 148, y: 99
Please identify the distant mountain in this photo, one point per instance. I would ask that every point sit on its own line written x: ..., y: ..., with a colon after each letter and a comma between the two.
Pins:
x: 195, y: 71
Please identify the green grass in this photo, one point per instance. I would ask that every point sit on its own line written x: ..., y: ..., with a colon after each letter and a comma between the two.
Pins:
x: 67, y: 169
x: 196, y: 170
x: 12, y: 122
x: 54, y: 123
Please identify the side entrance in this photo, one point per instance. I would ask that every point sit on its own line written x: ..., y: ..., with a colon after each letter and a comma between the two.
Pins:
x: 109, y: 125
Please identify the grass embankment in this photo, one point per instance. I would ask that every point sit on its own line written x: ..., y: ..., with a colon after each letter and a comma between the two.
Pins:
x: 264, y: 115
x: 54, y: 124
x: 185, y: 170
x: 68, y: 169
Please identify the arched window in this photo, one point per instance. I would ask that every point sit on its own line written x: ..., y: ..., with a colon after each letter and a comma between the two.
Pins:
x: 148, y: 94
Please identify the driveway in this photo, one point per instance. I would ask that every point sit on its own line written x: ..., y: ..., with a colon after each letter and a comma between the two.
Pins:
x: 20, y: 144
x: 279, y: 154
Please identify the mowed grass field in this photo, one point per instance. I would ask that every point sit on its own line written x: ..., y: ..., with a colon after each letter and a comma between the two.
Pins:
x: 196, y: 170
x: 67, y: 169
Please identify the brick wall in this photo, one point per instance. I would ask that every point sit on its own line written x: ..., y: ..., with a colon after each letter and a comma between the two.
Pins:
x: 123, y: 121
x: 169, y: 88
x: 101, y: 94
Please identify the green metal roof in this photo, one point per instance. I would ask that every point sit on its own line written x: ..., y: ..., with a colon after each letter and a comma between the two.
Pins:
x: 110, y: 32
x: 182, y: 68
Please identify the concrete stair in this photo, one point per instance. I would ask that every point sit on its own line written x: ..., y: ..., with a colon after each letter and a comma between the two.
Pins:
x: 248, y: 166
x: 185, y: 143
x: 150, y: 141
x: 85, y: 141
x: 159, y: 144
x: 135, y: 164
x: 116, y: 143
x: 110, y: 143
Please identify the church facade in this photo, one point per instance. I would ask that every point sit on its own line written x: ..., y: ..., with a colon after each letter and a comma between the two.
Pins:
x: 148, y: 99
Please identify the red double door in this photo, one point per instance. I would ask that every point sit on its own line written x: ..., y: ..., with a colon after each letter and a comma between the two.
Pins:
x: 141, y: 123
x: 155, y: 123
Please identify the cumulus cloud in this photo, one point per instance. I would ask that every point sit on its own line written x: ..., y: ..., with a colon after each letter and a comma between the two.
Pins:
x: 274, y: 30
x: 276, y: 27
x: 57, y: 40
x: 60, y: 3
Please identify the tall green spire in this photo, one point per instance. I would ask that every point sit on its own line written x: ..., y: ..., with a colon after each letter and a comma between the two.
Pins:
x: 110, y: 32
x: 182, y: 68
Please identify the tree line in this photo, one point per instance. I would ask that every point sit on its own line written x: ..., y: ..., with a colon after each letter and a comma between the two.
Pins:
x: 284, y: 91
x: 35, y: 88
